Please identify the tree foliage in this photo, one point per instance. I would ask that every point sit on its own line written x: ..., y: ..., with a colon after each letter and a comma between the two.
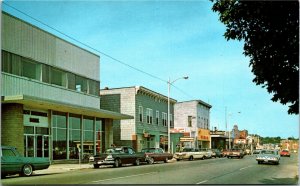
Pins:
x: 270, y: 31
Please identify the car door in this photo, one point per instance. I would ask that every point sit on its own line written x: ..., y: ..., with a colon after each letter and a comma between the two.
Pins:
x: 11, y: 162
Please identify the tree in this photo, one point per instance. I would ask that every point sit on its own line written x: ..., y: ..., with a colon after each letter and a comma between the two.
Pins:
x: 270, y: 32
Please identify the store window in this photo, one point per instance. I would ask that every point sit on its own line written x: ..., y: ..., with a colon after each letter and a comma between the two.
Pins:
x: 99, y: 134
x: 88, y: 137
x: 59, y: 131
x: 74, y: 136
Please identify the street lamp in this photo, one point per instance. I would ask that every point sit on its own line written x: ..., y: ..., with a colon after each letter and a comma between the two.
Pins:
x: 169, y: 87
x: 229, y: 137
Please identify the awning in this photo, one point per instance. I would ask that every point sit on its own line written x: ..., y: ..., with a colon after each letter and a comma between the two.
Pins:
x: 45, y: 104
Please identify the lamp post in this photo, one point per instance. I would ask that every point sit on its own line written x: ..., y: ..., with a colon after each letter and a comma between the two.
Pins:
x: 229, y: 137
x: 169, y: 88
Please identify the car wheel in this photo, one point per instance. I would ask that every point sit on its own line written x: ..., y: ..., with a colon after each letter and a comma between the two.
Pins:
x: 150, y: 161
x: 137, y: 162
x: 27, y: 170
x: 166, y: 160
x: 191, y: 158
x: 117, y: 163
x: 96, y: 166
x: 258, y: 162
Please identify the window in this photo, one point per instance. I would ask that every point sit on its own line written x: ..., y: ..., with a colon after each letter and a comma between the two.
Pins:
x: 149, y: 113
x: 31, y: 69
x: 58, y: 77
x: 94, y: 87
x: 189, y: 121
x: 171, y: 120
x: 164, y: 119
x: 8, y: 152
x: 80, y: 84
x: 140, y: 113
x: 157, y: 117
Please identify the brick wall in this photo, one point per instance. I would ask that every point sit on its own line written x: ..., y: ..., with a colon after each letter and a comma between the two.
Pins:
x: 12, y: 129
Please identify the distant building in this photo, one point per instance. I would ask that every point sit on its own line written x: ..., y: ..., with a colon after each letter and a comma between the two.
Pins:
x: 149, y: 128
x: 194, y: 117
x: 290, y: 145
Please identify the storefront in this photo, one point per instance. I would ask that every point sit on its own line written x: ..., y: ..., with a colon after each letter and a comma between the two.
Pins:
x: 54, y: 130
x: 203, y: 138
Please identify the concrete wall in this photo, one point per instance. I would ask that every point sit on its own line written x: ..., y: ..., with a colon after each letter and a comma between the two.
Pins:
x: 29, y: 41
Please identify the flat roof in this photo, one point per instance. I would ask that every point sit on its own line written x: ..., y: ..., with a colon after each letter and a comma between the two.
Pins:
x: 39, y: 103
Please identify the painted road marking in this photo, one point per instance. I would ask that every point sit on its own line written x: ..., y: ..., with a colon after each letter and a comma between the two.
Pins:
x: 245, y: 167
x: 202, y: 182
x: 124, y: 177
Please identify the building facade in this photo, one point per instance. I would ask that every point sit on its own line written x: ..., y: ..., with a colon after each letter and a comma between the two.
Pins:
x: 50, y: 95
x: 149, y: 127
x: 194, y: 117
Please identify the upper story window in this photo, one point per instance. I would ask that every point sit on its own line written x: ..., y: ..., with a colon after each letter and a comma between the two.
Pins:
x: 157, y: 117
x: 171, y: 120
x: 164, y: 119
x: 140, y: 114
x: 149, y: 113
x: 21, y: 66
x: 189, y: 121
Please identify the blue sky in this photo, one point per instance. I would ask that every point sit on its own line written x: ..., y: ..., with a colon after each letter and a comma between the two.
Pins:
x: 168, y: 39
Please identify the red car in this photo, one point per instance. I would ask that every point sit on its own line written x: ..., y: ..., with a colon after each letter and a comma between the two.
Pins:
x: 285, y: 153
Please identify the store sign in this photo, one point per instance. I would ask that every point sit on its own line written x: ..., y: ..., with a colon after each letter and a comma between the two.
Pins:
x: 185, y: 139
x: 203, y: 135
x: 177, y: 130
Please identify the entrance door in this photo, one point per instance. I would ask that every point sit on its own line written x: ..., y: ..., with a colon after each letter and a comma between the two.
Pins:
x: 29, y: 145
x: 36, y: 146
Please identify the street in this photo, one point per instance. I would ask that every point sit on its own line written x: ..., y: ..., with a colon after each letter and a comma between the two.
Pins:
x: 209, y: 171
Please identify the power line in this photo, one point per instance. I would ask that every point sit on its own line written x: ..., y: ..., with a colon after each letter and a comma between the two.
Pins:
x: 88, y: 46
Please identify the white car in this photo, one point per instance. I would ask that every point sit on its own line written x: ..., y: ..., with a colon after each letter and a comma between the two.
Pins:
x: 268, y: 156
x: 189, y: 153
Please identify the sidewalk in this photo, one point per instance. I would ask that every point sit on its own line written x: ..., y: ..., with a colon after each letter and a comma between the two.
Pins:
x: 59, y: 168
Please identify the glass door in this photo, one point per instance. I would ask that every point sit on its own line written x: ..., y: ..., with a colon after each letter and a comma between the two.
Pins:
x: 29, y: 145
x: 42, y: 146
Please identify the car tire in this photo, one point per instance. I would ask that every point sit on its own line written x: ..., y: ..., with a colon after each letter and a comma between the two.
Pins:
x: 137, y: 162
x: 27, y: 170
x: 166, y: 160
x: 150, y: 161
x: 191, y: 158
x: 96, y: 166
x: 117, y: 163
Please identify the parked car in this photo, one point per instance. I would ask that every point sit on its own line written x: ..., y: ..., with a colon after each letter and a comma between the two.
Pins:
x: 117, y: 156
x: 157, y: 154
x: 285, y: 153
x: 207, y: 152
x: 12, y: 162
x: 216, y: 153
x: 268, y: 156
x: 239, y: 153
x: 248, y: 151
x: 225, y: 152
x: 257, y: 151
x: 189, y: 153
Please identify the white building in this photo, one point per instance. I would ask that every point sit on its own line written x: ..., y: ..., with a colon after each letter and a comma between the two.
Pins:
x: 194, y: 117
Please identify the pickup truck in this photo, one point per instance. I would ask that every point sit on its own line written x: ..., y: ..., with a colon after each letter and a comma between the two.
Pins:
x: 189, y: 153
x: 117, y: 156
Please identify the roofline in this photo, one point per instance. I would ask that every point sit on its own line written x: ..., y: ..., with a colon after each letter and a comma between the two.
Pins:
x: 50, y: 33
x: 144, y: 89
x: 199, y: 101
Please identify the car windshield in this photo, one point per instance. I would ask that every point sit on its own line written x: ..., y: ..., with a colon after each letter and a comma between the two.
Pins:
x: 267, y: 152
x: 113, y: 150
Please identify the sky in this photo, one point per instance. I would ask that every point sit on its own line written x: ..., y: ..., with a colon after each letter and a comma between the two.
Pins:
x: 167, y: 39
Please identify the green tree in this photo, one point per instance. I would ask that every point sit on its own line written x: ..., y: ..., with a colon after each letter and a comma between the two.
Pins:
x: 270, y: 31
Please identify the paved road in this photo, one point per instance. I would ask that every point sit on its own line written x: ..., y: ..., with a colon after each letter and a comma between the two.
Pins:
x: 210, y: 171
